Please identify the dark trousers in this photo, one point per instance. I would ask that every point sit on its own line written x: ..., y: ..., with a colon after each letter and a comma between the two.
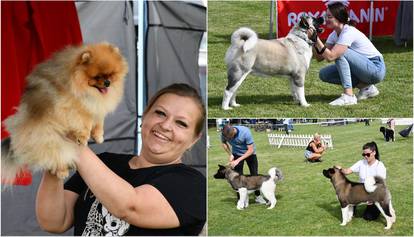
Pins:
x: 371, y: 212
x: 253, y: 167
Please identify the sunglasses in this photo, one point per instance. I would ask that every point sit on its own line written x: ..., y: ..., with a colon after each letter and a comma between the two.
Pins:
x: 366, y: 154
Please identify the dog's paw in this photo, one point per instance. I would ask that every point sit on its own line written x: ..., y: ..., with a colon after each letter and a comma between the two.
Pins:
x: 61, y: 173
x: 343, y: 224
x: 82, y: 141
x: 98, y: 139
x: 227, y: 108
x: 235, y: 105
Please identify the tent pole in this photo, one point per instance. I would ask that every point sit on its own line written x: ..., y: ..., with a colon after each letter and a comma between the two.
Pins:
x: 142, y: 26
x: 271, y: 21
x: 371, y: 18
x: 276, y: 19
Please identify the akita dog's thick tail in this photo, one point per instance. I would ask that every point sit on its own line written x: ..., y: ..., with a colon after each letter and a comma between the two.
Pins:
x: 275, y: 174
x: 371, y: 183
x: 244, y: 38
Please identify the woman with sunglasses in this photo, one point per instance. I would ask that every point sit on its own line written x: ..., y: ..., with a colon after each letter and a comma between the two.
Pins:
x: 357, y: 62
x: 370, y: 165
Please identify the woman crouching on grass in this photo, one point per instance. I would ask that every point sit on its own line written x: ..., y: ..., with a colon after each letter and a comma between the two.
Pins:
x: 149, y: 194
x: 357, y: 62
x: 315, y: 149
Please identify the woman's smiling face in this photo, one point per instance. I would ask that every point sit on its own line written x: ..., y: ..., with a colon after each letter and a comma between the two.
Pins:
x: 168, y: 128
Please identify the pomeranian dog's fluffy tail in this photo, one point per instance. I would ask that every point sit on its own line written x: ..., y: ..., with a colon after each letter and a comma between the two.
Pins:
x: 37, y: 148
x: 9, y: 164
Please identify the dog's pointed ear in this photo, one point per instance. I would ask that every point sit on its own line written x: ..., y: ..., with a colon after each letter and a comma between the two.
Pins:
x: 85, y: 57
x: 303, y: 23
x: 221, y: 167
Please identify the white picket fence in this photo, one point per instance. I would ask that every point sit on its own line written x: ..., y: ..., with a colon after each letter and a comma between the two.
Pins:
x: 296, y: 140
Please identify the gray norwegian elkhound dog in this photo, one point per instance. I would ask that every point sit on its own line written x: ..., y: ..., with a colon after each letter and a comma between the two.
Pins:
x: 288, y: 56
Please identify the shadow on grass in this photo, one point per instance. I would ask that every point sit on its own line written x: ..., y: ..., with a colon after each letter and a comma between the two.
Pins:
x: 234, y: 199
x: 386, y: 45
x: 271, y: 99
x: 332, y: 208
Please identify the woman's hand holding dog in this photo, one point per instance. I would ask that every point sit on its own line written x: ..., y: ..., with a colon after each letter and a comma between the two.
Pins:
x: 312, y: 35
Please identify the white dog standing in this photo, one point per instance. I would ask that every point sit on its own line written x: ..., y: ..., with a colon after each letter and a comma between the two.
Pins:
x: 288, y: 56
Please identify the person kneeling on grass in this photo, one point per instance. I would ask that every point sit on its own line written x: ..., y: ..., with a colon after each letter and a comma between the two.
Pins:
x: 315, y: 149
x: 357, y: 62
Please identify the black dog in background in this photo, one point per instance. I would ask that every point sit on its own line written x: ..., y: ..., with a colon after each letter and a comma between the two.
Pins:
x: 388, y: 134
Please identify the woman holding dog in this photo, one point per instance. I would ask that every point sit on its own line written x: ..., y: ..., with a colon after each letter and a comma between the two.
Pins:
x: 357, y: 62
x: 369, y: 166
x: 149, y: 194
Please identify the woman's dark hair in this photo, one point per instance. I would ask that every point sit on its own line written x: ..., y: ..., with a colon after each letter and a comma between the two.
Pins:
x: 183, y: 90
x: 373, y: 147
x: 340, y: 12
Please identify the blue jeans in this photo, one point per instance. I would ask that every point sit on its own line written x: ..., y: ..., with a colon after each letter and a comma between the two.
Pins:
x: 352, y: 68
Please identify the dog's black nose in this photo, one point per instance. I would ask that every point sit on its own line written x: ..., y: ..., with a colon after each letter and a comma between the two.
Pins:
x: 107, y: 83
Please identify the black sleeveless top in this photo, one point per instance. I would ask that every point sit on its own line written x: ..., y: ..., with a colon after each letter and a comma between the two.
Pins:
x: 309, y: 147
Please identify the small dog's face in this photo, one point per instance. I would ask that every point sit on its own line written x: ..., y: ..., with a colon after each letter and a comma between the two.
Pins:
x: 307, y: 22
x: 382, y: 129
x: 331, y: 172
x: 100, y: 67
x: 221, y: 172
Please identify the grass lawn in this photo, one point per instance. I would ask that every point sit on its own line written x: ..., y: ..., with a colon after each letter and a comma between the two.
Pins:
x: 307, y: 203
x: 270, y: 97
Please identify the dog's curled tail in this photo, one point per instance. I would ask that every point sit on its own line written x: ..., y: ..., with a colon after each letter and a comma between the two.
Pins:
x: 275, y: 173
x: 371, y: 183
x: 244, y: 38
x: 9, y: 165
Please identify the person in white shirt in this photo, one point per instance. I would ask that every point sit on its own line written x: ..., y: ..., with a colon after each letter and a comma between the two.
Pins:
x: 357, y: 62
x: 369, y: 166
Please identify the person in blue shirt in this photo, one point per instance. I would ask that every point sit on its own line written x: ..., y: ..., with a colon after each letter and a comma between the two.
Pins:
x: 239, y: 144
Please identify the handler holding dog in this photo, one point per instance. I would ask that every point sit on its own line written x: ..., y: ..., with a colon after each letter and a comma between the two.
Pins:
x: 369, y: 166
x: 238, y: 143
x: 357, y: 62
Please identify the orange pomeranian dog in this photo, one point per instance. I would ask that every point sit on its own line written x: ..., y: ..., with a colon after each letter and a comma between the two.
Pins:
x: 64, y: 104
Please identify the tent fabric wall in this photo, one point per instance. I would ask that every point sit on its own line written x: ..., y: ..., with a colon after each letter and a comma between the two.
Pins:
x: 404, y: 23
x: 113, y: 22
x: 175, y: 30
